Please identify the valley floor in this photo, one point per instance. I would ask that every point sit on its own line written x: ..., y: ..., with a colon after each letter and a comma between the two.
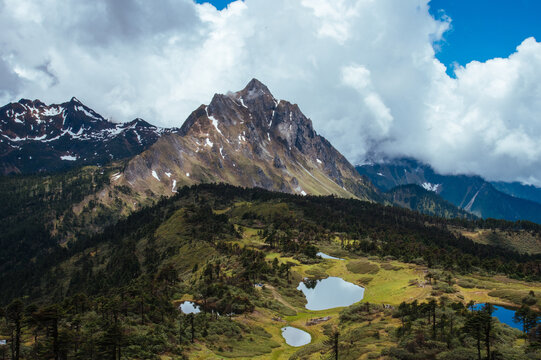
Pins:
x: 387, y: 283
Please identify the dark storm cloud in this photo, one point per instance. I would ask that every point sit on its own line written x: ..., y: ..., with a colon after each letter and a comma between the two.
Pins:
x: 10, y: 83
x: 45, y: 68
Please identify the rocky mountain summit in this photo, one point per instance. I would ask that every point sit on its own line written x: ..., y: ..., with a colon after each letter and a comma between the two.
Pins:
x: 35, y: 137
x: 247, y: 138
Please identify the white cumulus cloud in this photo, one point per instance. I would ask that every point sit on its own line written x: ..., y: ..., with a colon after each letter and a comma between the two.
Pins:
x: 365, y: 71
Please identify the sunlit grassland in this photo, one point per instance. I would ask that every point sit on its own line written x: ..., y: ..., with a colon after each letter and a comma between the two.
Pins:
x: 386, y: 282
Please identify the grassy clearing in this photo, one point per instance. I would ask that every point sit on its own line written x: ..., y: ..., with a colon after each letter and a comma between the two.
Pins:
x: 391, y: 267
x: 514, y: 296
x: 394, y: 287
x: 497, y: 290
x: 362, y: 267
x: 521, y: 241
x: 258, y: 343
x: 264, y: 210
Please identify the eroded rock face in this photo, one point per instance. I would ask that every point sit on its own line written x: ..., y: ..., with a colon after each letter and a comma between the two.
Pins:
x: 247, y: 138
x: 35, y: 137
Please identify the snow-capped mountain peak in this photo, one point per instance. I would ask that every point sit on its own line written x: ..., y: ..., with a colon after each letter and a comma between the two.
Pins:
x: 39, y: 137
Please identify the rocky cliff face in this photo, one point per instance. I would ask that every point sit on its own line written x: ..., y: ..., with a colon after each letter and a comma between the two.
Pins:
x: 250, y: 139
x: 35, y: 137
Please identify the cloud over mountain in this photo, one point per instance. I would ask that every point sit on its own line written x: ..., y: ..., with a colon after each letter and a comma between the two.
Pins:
x: 364, y: 71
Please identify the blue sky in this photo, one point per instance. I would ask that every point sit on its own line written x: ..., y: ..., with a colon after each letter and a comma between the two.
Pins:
x: 219, y: 4
x: 481, y: 29
x: 486, y: 29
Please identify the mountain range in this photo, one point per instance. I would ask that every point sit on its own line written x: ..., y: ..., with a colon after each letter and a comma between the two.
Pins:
x: 468, y: 192
x: 35, y: 137
x: 246, y: 138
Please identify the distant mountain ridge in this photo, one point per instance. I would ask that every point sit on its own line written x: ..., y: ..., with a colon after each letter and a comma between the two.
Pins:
x: 247, y: 138
x: 417, y: 198
x: 516, y: 189
x: 35, y: 137
x: 470, y: 193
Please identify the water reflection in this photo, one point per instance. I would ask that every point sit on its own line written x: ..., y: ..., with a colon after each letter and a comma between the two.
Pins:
x: 188, y: 307
x: 325, y: 256
x: 330, y: 293
x: 504, y: 315
x: 295, y: 337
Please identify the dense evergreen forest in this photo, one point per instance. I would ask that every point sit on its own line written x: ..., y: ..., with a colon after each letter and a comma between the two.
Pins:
x: 38, y: 220
x: 114, y: 294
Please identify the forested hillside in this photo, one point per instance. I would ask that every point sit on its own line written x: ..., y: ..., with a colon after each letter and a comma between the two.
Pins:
x: 416, y: 198
x: 42, y: 216
x: 114, y: 294
x: 371, y: 228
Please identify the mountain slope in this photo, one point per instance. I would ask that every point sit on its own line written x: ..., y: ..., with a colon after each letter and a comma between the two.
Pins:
x: 415, y: 197
x: 471, y: 193
x: 249, y: 139
x: 176, y: 225
x: 35, y: 137
x: 516, y: 189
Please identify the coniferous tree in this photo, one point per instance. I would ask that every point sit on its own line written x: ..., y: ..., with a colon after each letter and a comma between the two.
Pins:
x: 14, y: 315
x: 333, y: 342
x: 191, y: 317
x: 527, y: 317
x: 488, y: 326
x: 474, y: 328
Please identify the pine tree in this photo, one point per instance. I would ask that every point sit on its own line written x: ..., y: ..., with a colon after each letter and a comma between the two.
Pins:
x: 14, y: 315
x: 474, y: 328
x: 488, y: 326
x: 333, y: 342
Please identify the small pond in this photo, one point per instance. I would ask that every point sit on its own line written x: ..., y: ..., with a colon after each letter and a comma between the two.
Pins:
x: 325, y: 256
x: 188, y: 307
x: 295, y: 337
x: 329, y: 293
x: 504, y: 315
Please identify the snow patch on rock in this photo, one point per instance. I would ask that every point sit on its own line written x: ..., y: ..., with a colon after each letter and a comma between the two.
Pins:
x: 429, y: 187
x: 242, y: 103
x: 52, y: 111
